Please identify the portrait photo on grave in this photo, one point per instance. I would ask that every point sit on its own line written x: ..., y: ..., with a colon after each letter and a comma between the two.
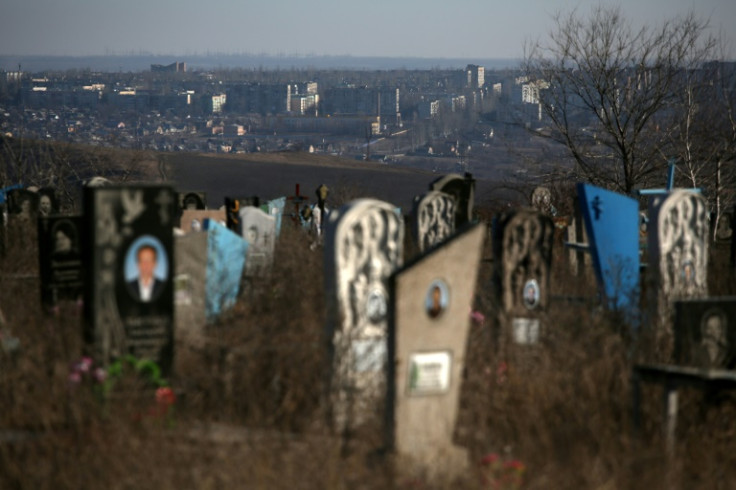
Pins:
x: 437, y: 298
x: 146, y: 268
x: 65, y: 240
x: 713, y: 337
x: 531, y: 294
x: 192, y: 200
x: 47, y: 203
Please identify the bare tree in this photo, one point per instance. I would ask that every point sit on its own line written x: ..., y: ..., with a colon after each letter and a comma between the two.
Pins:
x: 607, y: 87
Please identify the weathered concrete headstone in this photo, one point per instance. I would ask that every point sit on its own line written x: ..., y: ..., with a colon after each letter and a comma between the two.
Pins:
x: 541, y: 200
x: 193, y: 220
x: 190, y: 284
x: 678, y: 250
x: 363, y: 247
x: 612, y: 225
x: 431, y: 300
x: 462, y: 188
x: 61, y: 258
x: 522, y: 254
x: 259, y: 230
x: 226, y: 258
x: 705, y: 332
x: 434, y: 219
x: 128, y: 285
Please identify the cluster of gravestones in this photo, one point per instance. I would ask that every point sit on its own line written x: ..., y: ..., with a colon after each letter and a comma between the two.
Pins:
x: 396, y: 332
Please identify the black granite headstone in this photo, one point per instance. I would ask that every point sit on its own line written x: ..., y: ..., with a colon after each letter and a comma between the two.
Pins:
x: 129, y: 281
x: 60, y: 256
x: 462, y: 188
x: 705, y: 332
x: 232, y: 211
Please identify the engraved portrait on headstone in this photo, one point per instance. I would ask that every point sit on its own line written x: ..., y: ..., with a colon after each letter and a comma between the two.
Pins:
x: 129, y: 281
x: 259, y: 230
x: 678, y: 249
x: 47, y: 202
x: 522, y: 251
x: 61, y: 258
x: 363, y: 246
x: 192, y: 200
x: 22, y: 206
x: 705, y: 332
x: 433, y: 219
x: 462, y: 188
x: 541, y: 200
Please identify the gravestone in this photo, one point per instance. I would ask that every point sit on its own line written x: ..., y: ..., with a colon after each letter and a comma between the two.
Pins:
x: 363, y: 247
x: 259, y: 230
x: 430, y: 300
x: 612, y: 225
x: 61, y: 258
x: 678, y: 250
x: 226, y: 258
x: 705, y: 333
x: 541, y: 200
x: 522, y: 256
x: 128, y: 285
x: 724, y: 228
x: 48, y: 204
x: 462, y: 188
x: 190, y: 284
x: 193, y: 220
x: 232, y: 211
x: 192, y: 200
x: 22, y: 206
x: 434, y: 219
x: 275, y: 208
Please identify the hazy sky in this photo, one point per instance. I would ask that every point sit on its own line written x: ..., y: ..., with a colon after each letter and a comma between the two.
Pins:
x: 396, y: 28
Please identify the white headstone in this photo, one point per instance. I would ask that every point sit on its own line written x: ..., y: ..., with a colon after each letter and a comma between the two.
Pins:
x: 434, y: 219
x: 363, y: 247
x: 259, y: 230
x: 678, y: 250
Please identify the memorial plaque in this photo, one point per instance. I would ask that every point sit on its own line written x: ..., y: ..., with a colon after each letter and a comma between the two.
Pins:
x: 431, y: 300
x: 226, y: 255
x: 275, y: 208
x: 61, y: 258
x: 612, y: 225
x: 129, y: 281
x: 678, y: 250
x: 363, y: 247
x: 434, y: 219
x: 193, y: 220
x: 463, y: 190
x: 522, y: 255
x: 705, y: 332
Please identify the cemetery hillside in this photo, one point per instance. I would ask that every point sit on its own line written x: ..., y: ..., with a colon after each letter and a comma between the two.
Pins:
x: 244, y: 395
x: 304, y: 319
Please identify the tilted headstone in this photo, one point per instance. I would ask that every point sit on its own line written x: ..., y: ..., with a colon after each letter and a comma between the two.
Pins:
x: 705, y: 332
x: 434, y: 219
x: 61, y: 258
x: 612, y: 225
x: 129, y: 281
x: 431, y: 300
x: 193, y: 220
x: 363, y: 247
x: 190, y: 284
x: 463, y: 190
x: 678, y: 250
x: 226, y: 256
x: 259, y: 230
x: 522, y: 256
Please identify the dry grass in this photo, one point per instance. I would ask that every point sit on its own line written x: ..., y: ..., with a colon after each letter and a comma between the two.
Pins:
x: 250, y: 412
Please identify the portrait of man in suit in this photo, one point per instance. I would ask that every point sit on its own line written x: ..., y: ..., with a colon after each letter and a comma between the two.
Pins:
x: 146, y: 286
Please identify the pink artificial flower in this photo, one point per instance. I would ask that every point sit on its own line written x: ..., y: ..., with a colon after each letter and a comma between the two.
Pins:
x: 75, y: 377
x: 85, y: 364
x: 99, y: 375
x: 165, y: 396
x: 477, y: 317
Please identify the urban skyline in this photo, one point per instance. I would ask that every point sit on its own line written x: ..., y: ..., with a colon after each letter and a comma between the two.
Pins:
x: 430, y: 29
